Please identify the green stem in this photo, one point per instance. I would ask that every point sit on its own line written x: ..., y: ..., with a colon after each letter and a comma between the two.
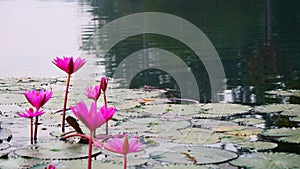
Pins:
x: 65, y: 104
x: 90, y: 150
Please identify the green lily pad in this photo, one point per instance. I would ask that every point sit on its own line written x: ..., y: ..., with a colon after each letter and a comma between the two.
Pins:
x: 216, y: 110
x: 80, y: 164
x: 289, y: 135
x: 233, y: 139
x: 286, y: 109
x: 56, y: 151
x: 133, y: 159
x: 268, y: 161
x: 257, y: 145
x: 239, y: 130
x: 211, y: 123
x: 13, y: 163
x: 196, y: 136
x: 249, y: 121
x: 295, y: 119
x: 5, y: 134
x: 167, y: 127
x: 179, y: 167
x: 4, y: 146
x: 193, y: 155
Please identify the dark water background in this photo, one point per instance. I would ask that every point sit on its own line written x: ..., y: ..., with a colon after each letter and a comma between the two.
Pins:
x: 259, y: 49
x: 259, y: 44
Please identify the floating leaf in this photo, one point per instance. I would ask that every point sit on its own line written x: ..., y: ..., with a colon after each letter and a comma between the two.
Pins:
x: 193, y: 155
x: 257, y: 145
x: 239, y: 130
x: 215, y: 110
x: 232, y: 139
x: 14, y: 163
x: 56, y: 151
x: 5, y: 135
x: 210, y: 123
x: 133, y: 159
x: 196, y: 136
x: 169, y: 127
x: 249, y: 121
x: 80, y: 164
x: 268, y: 161
x: 179, y: 167
x: 175, y: 109
x: 295, y: 119
x: 290, y: 135
x: 289, y: 109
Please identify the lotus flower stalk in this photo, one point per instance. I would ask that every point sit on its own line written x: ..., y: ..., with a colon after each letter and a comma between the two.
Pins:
x: 37, y: 100
x: 103, y: 86
x: 68, y: 65
x: 92, y: 119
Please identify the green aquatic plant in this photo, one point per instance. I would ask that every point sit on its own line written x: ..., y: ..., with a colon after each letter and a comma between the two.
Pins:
x: 289, y: 135
x: 267, y: 161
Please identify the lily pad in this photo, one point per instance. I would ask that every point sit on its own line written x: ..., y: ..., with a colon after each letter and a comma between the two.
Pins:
x: 295, y: 119
x: 193, y: 155
x: 196, y: 136
x: 80, y: 164
x: 179, y: 167
x: 286, y: 109
x: 239, y: 130
x: 249, y: 121
x: 210, y: 123
x: 233, y: 139
x: 257, y: 145
x: 268, y: 161
x: 133, y: 159
x: 290, y: 135
x: 5, y: 135
x: 175, y: 109
x: 56, y: 151
x: 13, y: 163
x: 168, y: 127
x: 216, y: 110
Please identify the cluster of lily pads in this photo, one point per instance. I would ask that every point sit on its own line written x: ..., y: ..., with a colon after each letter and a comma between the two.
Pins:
x: 194, y: 135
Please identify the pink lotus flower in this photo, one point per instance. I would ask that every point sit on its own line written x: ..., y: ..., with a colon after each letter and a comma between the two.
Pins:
x: 68, y: 65
x: 123, y: 147
x: 103, y: 83
x: 50, y: 166
x: 29, y: 113
x: 90, y: 118
x: 93, y: 93
x: 38, y: 99
x: 107, y: 113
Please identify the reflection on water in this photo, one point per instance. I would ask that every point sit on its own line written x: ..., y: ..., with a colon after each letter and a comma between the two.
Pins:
x: 257, y: 41
x: 33, y: 32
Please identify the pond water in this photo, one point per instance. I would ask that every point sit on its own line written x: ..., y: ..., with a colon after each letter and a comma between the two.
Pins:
x: 257, y: 43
